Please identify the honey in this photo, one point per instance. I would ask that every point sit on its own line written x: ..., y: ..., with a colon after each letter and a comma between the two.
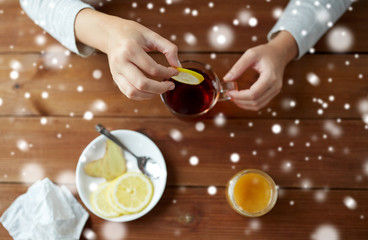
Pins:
x: 252, y: 193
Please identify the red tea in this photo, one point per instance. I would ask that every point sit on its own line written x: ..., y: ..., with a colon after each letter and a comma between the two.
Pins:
x: 191, y: 99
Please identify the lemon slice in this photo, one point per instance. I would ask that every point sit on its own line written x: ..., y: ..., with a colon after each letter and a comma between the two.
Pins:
x: 110, y: 199
x: 100, y: 203
x: 188, y: 77
x: 132, y: 192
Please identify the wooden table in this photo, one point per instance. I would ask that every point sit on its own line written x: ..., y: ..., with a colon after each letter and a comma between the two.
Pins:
x: 319, y: 160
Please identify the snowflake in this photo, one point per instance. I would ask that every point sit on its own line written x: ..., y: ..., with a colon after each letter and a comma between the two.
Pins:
x: 221, y: 36
x: 234, y: 157
x: 176, y: 135
x: 276, y: 128
x: 193, y: 160
x: 212, y: 190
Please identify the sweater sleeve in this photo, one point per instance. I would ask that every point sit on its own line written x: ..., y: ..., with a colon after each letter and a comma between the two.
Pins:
x: 308, y: 20
x: 57, y: 17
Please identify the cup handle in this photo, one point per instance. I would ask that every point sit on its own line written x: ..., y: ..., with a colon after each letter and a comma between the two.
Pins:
x: 226, y: 87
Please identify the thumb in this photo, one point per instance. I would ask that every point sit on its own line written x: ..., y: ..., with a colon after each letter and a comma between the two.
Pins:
x: 166, y: 47
x: 244, y: 62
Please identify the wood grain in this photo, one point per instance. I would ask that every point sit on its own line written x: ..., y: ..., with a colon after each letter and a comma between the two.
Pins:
x: 74, y: 90
x: 304, y: 155
x: 191, y: 213
x: 18, y: 33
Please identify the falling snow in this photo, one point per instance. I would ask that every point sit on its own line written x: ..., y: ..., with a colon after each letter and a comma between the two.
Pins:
x: 221, y: 36
x: 332, y: 128
x: 365, y: 168
x: 112, y: 230
x: 306, y: 183
x: 286, y: 166
x: 253, y: 22
x: 150, y: 6
x: 350, y: 203
x: 313, y: 79
x: 40, y: 40
x: 320, y: 195
x: 97, y: 74
x: 276, y: 129
x: 89, y: 234
x: 234, y: 157
x: 88, y: 115
x: 212, y: 190
x: 43, y: 121
x: 99, y: 106
x: 326, y: 232
x: 176, y: 135
x: 340, y: 39
x: 80, y: 88
x: 255, y: 224
x: 31, y: 172
x: 15, y: 65
x: 277, y: 12
x: 56, y: 57
x: 22, y: 145
x: 220, y: 120
x: 200, y: 126
x: 93, y: 187
x: 45, y: 95
x: 243, y: 17
x: 190, y: 39
x: 193, y: 160
x: 14, y: 75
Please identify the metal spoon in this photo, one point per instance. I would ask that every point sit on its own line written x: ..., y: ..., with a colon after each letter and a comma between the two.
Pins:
x: 147, y: 165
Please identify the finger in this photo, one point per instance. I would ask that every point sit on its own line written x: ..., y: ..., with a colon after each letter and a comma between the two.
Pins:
x: 250, y: 104
x: 144, y: 84
x: 256, y: 105
x: 268, y: 100
x: 150, y: 66
x: 257, y: 90
x: 166, y: 47
x: 244, y: 62
x: 129, y: 90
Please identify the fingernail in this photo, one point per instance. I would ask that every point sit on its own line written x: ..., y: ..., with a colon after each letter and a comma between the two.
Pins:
x: 172, y: 86
x: 228, y: 77
x: 179, y: 63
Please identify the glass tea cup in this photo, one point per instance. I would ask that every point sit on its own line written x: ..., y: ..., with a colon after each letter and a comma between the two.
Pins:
x: 190, y: 101
x: 251, y: 193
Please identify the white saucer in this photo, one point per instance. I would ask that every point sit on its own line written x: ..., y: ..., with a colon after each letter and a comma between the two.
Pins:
x: 140, y: 145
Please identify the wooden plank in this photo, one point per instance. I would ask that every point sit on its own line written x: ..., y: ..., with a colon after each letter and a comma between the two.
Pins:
x: 308, y: 154
x: 73, y: 89
x: 191, y: 213
x: 18, y: 33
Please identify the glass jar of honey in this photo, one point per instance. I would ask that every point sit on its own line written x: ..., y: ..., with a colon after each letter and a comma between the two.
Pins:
x: 251, y: 193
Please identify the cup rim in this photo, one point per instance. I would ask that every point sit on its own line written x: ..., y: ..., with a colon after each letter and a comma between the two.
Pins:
x: 230, y: 196
x: 217, y: 88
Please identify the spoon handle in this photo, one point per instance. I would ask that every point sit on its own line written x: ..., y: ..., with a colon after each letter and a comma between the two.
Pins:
x: 101, y: 129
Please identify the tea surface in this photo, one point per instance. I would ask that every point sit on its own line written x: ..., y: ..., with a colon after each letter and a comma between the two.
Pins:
x: 191, y: 99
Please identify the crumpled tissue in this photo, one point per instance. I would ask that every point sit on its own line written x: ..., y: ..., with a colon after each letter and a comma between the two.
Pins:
x: 45, y: 211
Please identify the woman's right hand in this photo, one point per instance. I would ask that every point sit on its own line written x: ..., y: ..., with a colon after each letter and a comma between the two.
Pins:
x: 126, y: 44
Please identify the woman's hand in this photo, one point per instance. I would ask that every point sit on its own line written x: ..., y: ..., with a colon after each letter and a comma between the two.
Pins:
x: 269, y: 60
x: 126, y: 44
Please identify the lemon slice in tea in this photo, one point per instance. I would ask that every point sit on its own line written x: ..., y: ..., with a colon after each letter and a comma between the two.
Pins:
x: 188, y: 77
